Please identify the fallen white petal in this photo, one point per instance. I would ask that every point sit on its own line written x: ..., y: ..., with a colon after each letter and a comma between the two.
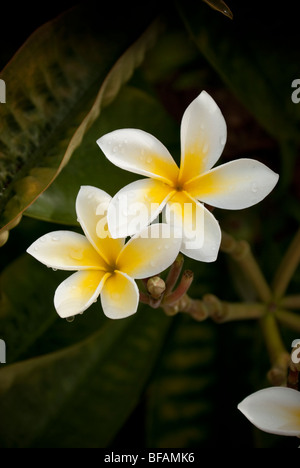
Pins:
x: 275, y: 410
x: 203, y: 137
x: 235, y: 185
x: 135, y: 206
x: 151, y: 252
x: 119, y: 296
x: 139, y: 152
x: 66, y: 250
x: 78, y: 292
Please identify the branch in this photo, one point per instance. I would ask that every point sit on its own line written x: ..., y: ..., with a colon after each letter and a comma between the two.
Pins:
x: 279, y: 357
x: 222, y: 312
x: 288, y: 319
x: 240, y: 251
x: 287, y: 267
x: 174, y: 274
x: 182, y: 288
x: 193, y: 307
x: 291, y: 302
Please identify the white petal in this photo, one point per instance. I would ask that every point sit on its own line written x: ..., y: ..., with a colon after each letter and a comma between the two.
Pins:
x: 139, y: 152
x: 234, y: 185
x: 200, y: 230
x: 119, y: 296
x: 89, y: 201
x: 151, y: 252
x: 136, y: 205
x: 91, y: 208
x: 203, y: 137
x: 275, y: 410
x: 66, y: 250
x: 78, y: 292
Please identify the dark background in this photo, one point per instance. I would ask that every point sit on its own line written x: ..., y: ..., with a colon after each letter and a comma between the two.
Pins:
x: 262, y: 19
x: 255, y: 18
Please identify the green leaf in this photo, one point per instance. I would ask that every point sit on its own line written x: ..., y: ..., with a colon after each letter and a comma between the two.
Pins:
x: 29, y: 323
x: 132, y: 108
x: 26, y: 304
x: 53, y: 95
x: 180, y: 403
x: 248, y: 63
x: 221, y: 6
x: 55, y: 392
x: 82, y: 395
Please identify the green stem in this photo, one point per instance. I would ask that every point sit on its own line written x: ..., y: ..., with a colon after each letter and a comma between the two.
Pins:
x: 287, y: 267
x: 240, y: 251
x: 290, y: 302
x: 288, y: 319
x: 278, y: 355
x: 222, y: 312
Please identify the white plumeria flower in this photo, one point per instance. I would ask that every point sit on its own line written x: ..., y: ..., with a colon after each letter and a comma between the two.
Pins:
x: 234, y: 185
x: 104, y: 266
x: 275, y: 410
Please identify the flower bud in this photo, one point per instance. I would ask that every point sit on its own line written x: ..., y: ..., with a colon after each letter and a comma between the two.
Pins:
x: 156, y: 287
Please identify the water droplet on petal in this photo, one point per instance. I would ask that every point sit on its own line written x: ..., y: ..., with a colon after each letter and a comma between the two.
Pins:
x: 152, y: 263
x: 149, y: 160
x: 54, y: 269
x: 76, y: 254
x: 70, y: 319
x: 223, y: 140
x: 254, y: 188
x: 55, y: 238
x: 205, y: 148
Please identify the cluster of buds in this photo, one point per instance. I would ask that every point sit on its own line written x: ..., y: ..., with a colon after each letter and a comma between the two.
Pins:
x: 171, y: 294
